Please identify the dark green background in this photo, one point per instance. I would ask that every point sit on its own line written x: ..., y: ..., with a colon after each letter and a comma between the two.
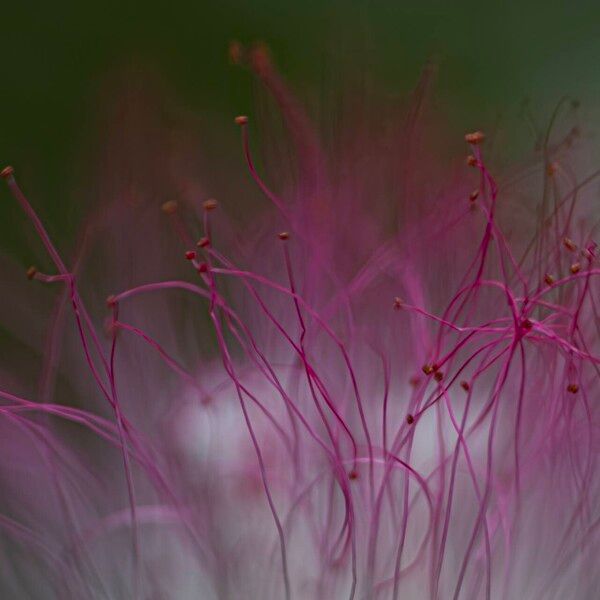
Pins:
x: 56, y: 54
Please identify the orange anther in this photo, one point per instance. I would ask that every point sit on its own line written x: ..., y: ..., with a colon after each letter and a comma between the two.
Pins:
x: 476, y: 137
x: 236, y: 52
x: 169, y: 207
x: 7, y: 172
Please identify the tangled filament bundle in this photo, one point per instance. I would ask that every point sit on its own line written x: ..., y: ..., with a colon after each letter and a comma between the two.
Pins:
x: 397, y: 398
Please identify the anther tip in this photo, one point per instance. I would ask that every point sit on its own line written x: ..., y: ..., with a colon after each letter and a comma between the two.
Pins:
x: 169, y: 207
x: 527, y: 324
x: 210, y: 204
x: 7, y: 172
x: 241, y: 120
x: 111, y: 300
x: 475, y: 137
x: 414, y: 381
x: 31, y: 272
x: 284, y: 235
x: 236, y: 52
x: 260, y: 58
x: 410, y: 419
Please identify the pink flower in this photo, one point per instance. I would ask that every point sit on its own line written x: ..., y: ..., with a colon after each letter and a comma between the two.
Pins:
x: 382, y: 384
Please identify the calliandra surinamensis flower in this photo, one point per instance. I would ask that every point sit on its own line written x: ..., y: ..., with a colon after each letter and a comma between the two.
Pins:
x: 380, y: 382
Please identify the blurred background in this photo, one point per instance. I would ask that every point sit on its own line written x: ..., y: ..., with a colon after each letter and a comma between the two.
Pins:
x: 59, y: 60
